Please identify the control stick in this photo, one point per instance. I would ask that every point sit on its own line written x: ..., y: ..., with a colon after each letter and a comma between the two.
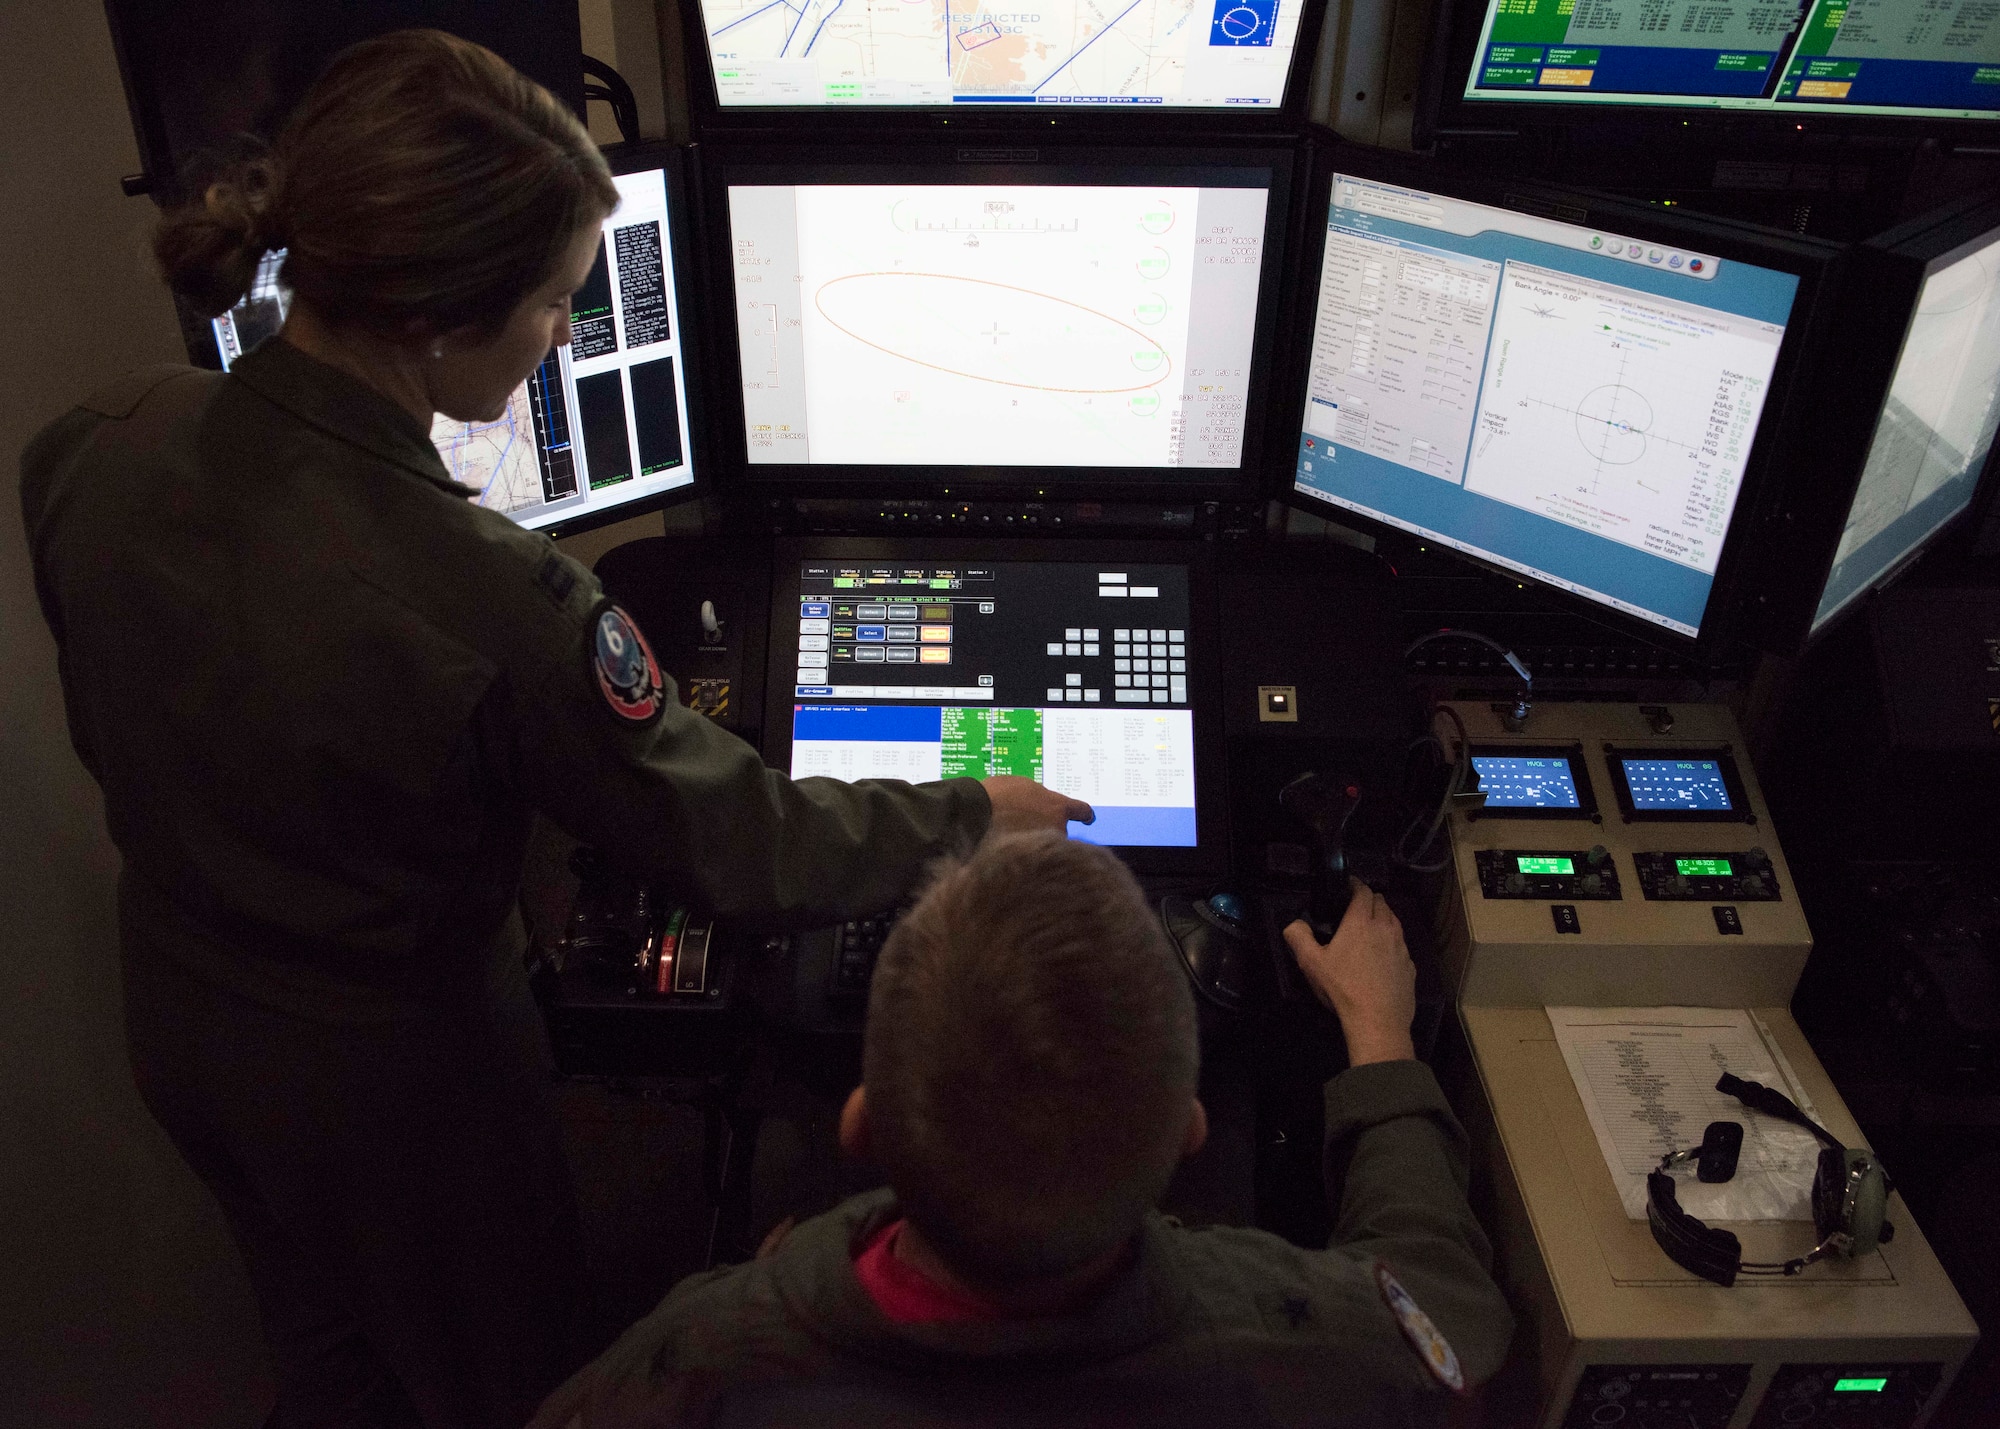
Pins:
x: 1324, y: 805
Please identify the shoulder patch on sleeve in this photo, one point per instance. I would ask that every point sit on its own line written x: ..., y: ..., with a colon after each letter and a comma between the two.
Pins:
x: 623, y: 665
x: 1424, y: 1337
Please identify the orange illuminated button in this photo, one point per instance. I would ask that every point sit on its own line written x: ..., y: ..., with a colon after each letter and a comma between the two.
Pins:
x: 937, y: 655
x: 1578, y: 78
x: 935, y: 634
x: 1824, y: 88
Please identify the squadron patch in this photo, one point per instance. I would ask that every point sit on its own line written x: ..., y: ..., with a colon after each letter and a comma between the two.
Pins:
x: 626, y: 671
x: 1424, y: 1337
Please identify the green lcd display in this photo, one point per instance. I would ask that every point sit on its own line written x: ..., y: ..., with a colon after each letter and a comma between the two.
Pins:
x: 1531, y: 863
x: 1865, y: 1386
x: 1702, y: 867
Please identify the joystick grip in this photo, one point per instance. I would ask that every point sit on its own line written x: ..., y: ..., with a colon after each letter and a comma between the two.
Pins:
x: 1324, y: 805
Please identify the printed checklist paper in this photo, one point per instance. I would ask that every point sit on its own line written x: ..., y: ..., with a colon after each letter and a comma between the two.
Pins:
x: 1647, y: 1078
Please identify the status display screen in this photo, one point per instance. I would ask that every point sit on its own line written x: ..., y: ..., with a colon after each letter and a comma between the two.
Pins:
x: 1862, y: 1386
x: 1070, y: 674
x: 1569, y: 403
x: 1515, y: 782
x: 1935, y: 431
x: 1214, y: 54
x: 1677, y: 784
x: 599, y: 424
x: 1702, y: 867
x: 1536, y: 863
x: 1924, y: 58
x: 997, y: 325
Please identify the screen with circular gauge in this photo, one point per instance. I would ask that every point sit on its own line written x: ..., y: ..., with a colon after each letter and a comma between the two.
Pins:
x: 1571, y: 403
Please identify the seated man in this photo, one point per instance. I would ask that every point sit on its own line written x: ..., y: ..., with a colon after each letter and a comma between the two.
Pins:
x: 1028, y: 1087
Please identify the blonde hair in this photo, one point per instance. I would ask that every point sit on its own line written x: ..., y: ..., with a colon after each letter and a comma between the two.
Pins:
x: 1030, y: 1058
x: 423, y: 186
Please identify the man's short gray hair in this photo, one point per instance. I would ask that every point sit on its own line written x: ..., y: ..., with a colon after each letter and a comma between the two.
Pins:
x: 1031, y: 1055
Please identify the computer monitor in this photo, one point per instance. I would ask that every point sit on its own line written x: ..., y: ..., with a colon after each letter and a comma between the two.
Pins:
x: 1090, y: 668
x: 600, y: 430
x: 1863, y: 60
x: 1575, y: 391
x: 1905, y: 428
x: 1095, y: 322
x: 1067, y: 60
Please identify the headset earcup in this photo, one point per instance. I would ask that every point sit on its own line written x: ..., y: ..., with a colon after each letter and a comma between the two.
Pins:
x: 1871, y: 1204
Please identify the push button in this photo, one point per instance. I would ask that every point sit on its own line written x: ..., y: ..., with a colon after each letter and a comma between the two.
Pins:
x: 1565, y: 917
x: 1726, y: 920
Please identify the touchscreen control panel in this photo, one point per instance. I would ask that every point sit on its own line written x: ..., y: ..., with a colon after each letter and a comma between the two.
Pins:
x: 1568, y: 874
x: 1705, y: 877
x: 1073, y: 674
x: 1532, y: 782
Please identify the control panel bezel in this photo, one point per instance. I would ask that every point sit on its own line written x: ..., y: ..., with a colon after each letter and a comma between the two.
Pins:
x: 1752, y: 877
x: 1722, y: 755
x: 1498, y: 866
x: 1579, y: 773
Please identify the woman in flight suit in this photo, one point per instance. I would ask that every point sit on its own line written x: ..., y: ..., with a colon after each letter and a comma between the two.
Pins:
x: 325, y: 696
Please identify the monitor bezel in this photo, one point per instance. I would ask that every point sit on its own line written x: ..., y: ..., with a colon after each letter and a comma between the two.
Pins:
x: 723, y: 166
x: 1210, y: 857
x: 1878, y: 299
x: 1811, y: 261
x: 689, y: 292
x: 1722, y: 756
x: 1579, y: 773
x: 1443, y: 111
x: 713, y: 120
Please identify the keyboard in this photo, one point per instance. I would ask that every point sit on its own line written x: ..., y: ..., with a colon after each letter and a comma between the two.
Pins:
x: 857, y: 943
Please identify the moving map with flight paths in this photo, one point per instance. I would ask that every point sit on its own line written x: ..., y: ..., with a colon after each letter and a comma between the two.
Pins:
x: 916, y: 52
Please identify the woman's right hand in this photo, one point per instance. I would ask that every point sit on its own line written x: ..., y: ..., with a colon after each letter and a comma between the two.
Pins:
x: 1021, y: 806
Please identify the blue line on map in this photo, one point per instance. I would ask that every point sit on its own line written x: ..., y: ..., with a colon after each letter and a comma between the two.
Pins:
x: 1087, y: 44
x: 947, y: 39
x: 797, y: 19
x: 822, y: 24
x: 753, y: 15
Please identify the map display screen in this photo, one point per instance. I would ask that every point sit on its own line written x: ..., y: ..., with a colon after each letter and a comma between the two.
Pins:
x: 1071, y: 674
x: 1569, y: 403
x: 599, y: 424
x: 1048, y: 325
x: 1924, y: 58
x: 1935, y: 432
x: 1187, y: 53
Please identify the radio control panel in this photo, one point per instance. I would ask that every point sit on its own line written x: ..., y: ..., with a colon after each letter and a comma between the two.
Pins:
x: 1703, y: 877
x: 1567, y: 874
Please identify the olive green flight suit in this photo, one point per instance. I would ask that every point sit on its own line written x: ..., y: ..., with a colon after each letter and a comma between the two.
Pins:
x: 325, y: 696
x: 1207, y: 1328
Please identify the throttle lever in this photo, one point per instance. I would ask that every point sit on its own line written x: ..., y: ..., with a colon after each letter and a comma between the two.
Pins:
x: 1324, y: 805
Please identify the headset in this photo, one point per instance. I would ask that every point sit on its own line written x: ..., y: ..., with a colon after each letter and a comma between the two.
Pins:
x: 1850, y: 1196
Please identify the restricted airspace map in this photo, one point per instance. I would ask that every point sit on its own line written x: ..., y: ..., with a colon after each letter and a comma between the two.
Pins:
x: 496, y: 459
x: 909, y: 52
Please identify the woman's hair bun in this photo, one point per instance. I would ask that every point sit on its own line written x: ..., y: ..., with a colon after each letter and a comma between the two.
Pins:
x: 422, y: 186
x: 208, y: 249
